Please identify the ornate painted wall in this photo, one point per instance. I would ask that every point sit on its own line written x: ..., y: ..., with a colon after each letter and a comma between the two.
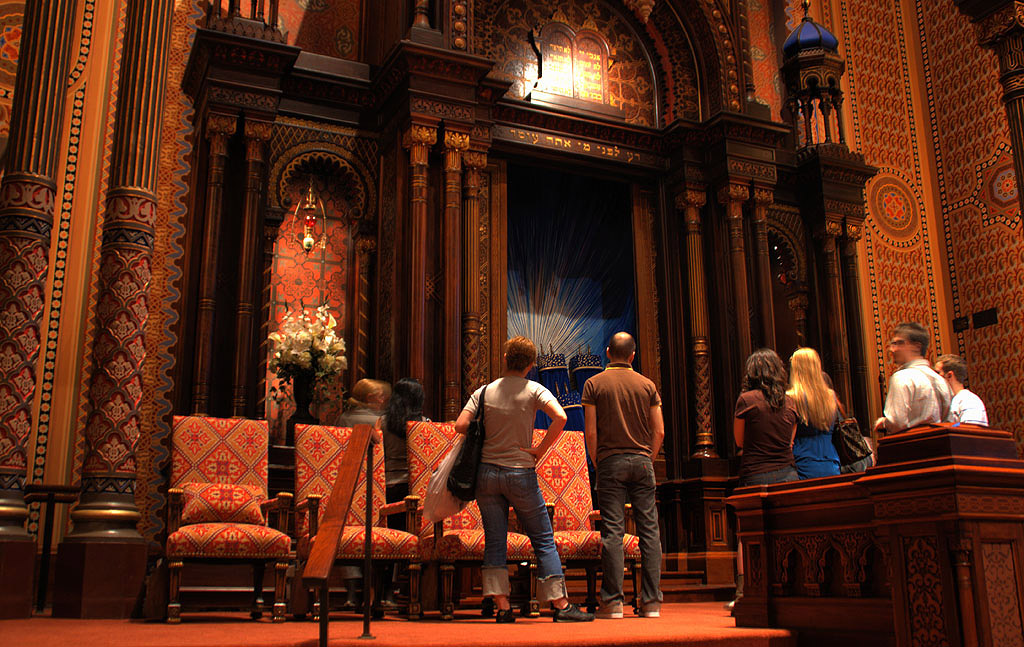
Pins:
x: 943, y: 234
x: 981, y: 220
x: 326, y: 27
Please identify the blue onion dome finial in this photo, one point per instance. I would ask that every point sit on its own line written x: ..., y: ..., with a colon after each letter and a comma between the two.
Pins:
x: 809, y: 35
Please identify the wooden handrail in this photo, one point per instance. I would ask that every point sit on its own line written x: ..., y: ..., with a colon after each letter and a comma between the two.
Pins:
x: 328, y: 535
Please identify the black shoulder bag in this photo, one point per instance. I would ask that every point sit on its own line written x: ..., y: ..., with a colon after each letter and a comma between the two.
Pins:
x: 462, y: 479
x: 848, y: 439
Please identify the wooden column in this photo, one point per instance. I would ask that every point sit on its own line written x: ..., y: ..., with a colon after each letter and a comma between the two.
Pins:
x: 106, y: 515
x: 455, y: 144
x: 472, y: 356
x: 854, y: 322
x: 762, y: 200
x: 835, y: 316
x: 359, y: 350
x: 256, y: 134
x: 690, y: 203
x: 219, y: 128
x: 732, y: 196
x: 418, y: 140
x: 28, y: 194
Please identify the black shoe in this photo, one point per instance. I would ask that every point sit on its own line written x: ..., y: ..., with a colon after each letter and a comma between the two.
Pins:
x: 503, y: 616
x: 572, y: 613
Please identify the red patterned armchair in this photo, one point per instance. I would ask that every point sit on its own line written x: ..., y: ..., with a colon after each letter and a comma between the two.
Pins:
x: 565, y: 485
x: 459, y: 539
x: 218, y: 505
x: 318, y: 454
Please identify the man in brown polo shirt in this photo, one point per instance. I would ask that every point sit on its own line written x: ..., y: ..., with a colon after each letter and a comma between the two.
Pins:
x: 624, y: 432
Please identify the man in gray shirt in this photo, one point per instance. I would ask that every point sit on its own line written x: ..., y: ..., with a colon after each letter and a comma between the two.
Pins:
x: 917, y: 395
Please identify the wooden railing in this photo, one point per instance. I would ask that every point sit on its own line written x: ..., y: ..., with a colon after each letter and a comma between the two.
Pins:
x: 332, y: 523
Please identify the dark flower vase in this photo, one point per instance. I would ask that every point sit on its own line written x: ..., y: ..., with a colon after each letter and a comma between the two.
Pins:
x: 302, y: 392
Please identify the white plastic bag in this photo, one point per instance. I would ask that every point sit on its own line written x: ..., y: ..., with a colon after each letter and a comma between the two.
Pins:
x: 438, y: 502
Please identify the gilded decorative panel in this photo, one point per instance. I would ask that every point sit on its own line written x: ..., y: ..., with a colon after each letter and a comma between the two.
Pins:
x: 503, y: 29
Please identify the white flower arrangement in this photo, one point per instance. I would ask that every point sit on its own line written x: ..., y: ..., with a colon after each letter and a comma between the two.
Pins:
x: 307, y: 345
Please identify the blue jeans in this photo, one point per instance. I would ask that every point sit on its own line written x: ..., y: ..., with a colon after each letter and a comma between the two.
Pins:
x: 858, y: 466
x: 496, y: 489
x: 783, y: 475
x: 622, y: 478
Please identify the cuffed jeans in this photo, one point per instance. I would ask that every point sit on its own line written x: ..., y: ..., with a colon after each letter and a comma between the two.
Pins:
x: 496, y: 489
x: 621, y: 477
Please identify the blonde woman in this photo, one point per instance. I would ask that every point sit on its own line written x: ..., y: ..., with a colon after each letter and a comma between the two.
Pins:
x: 817, y: 412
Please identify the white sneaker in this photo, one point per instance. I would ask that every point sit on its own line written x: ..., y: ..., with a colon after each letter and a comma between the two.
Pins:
x: 611, y: 611
x: 651, y: 610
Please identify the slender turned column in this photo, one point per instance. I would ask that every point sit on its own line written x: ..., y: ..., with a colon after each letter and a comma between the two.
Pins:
x: 455, y: 144
x: 256, y: 133
x: 762, y: 200
x: 732, y: 196
x: 27, y: 198
x: 472, y: 364
x: 359, y: 353
x: 836, y: 315
x: 418, y: 140
x: 107, y: 507
x: 854, y: 323
x: 219, y: 128
x: 690, y: 203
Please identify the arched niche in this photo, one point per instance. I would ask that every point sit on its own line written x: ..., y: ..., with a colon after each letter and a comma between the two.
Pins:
x: 300, y: 278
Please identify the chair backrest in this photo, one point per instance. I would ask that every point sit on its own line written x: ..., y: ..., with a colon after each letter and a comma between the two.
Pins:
x: 219, y: 450
x: 427, y: 444
x: 564, y: 480
x: 318, y: 453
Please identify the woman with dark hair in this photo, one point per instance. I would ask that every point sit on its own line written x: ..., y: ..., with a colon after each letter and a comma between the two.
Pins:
x: 765, y: 422
x: 405, y: 405
x: 764, y: 429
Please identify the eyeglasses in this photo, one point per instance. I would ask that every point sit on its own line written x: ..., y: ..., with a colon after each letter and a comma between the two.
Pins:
x: 897, y: 342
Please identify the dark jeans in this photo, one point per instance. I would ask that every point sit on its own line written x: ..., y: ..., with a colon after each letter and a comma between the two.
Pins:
x: 497, y: 488
x: 858, y: 466
x: 623, y: 477
x: 396, y: 492
x: 783, y: 475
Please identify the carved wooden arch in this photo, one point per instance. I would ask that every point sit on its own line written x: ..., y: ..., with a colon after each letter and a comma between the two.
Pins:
x: 522, y: 15
x: 354, y: 181
x: 786, y: 224
x: 717, y: 50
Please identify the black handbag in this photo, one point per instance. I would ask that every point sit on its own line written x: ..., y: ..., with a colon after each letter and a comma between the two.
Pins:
x: 849, y: 442
x: 462, y: 479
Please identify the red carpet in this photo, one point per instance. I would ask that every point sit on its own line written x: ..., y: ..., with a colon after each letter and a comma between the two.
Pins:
x: 680, y: 625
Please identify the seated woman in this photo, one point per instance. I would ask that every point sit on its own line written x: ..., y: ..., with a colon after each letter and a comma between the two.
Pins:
x: 765, y: 422
x: 507, y: 476
x: 817, y: 412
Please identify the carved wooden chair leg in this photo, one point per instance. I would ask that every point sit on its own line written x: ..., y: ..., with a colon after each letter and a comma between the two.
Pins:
x: 280, y: 573
x: 591, y: 588
x: 174, y: 584
x: 258, y: 569
x: 447, y: 591
x: 381, y: 580
x: 300, y: 594
x: 635, y: 566
x: 414, y: 592
x: 533, y: 608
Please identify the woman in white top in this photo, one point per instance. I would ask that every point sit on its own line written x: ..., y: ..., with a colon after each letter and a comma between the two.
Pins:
x: 507, y: 477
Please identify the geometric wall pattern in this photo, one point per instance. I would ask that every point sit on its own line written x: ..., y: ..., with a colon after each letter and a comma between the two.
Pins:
x: 981, y: 219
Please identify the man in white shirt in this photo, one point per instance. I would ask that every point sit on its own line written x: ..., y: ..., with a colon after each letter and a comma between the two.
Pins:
x: 917, y: 395
x: 966, y: 405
